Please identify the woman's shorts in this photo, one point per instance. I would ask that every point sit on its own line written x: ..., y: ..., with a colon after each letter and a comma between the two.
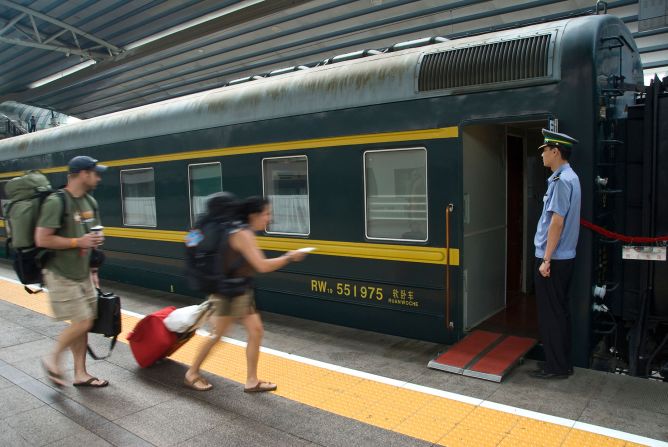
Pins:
x: 239, y: 306
x: 71, y: 300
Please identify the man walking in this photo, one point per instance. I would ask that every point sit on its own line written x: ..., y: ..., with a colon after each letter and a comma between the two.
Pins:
x: 63, y: 227
x: 555, y: 240
x: 33, y: 124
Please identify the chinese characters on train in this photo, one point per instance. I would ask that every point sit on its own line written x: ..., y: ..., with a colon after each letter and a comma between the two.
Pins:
x: 382, y: 294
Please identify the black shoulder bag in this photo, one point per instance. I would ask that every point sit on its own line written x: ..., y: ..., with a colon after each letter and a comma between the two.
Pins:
x: 108, y: 321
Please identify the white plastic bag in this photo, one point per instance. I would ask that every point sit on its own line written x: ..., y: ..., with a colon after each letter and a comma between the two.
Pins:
x: 187, y: 318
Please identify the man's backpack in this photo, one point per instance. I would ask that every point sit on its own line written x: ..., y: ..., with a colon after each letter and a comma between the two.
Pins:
x: 206, y: 245
x: 26, y: 195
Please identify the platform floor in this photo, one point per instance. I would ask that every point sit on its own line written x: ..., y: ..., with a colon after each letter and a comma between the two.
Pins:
x: 336, y: 387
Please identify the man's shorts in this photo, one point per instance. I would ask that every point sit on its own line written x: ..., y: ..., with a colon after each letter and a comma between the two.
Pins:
x: 239, y: 306
x: 71, y: 300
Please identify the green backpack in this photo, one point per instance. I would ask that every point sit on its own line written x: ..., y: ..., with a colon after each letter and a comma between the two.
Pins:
x: 26, y: 195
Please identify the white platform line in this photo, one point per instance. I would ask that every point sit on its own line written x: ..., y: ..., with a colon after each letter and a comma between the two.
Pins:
x: 436, y: 392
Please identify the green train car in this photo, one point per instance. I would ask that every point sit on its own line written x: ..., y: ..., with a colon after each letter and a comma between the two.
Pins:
x: 413, y: 172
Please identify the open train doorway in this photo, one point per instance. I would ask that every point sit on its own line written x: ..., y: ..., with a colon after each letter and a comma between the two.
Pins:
x: 504, y: 182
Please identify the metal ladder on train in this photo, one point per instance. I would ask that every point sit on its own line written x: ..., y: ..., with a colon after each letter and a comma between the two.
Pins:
x: 612, y: 164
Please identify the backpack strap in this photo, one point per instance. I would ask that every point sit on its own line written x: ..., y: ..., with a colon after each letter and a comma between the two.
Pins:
x: 229, y: 270
x: 112, y: 345
x: 61, y: 193
x: 230, y: 228
x: 8, y: 226
x: 67, y: 197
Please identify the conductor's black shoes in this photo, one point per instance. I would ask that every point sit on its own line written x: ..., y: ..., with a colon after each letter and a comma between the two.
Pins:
x: 541, y: 365
x: 541, y: 374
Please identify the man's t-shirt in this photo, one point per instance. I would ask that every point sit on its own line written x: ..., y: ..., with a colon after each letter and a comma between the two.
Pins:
x: 79, y: 217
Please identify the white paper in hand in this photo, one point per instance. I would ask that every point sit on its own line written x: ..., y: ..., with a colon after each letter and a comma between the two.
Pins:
x: 306, y: 249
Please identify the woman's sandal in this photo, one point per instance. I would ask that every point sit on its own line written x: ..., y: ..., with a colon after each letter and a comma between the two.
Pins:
x: 193, y: 384
x: 261, y: 387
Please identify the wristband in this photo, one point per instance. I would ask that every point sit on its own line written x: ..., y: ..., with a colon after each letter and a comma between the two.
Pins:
x: 547, y: 261
x: 74, y: 243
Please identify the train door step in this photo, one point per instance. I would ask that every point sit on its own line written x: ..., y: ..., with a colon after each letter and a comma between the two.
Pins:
x: 485, y: 355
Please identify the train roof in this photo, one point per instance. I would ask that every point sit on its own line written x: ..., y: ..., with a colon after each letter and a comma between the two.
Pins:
x: 381, y: 78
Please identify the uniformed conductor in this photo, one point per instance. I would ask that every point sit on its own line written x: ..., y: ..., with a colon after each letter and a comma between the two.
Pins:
x: 556, y: 239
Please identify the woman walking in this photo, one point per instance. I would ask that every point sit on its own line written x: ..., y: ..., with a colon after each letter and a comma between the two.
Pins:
x: 244, y: 259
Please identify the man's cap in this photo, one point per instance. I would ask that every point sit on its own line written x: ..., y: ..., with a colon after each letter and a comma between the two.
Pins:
x: 557, y: 139
x: 84, y: 163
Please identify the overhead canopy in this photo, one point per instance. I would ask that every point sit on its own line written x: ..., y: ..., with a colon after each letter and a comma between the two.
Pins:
x: 140, y: 52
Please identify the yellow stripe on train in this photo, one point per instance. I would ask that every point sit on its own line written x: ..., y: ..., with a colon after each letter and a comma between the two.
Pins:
x: 316, y: 143
x: 385, y: 252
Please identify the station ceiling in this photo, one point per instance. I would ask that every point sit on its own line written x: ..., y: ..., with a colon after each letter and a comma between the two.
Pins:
x: 143, y: 51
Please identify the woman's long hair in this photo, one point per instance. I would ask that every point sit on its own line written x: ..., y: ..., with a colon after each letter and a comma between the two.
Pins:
x: 252, y: 205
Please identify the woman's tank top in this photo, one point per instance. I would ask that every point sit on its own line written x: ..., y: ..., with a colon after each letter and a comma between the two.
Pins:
x: 234, y: 263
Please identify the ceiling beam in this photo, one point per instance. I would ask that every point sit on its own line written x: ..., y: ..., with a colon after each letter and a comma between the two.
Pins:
x: 136, y: 55
x: 11, y: 23
x: 42, y: 46
x: 113, y: 49
x: 28, y: 32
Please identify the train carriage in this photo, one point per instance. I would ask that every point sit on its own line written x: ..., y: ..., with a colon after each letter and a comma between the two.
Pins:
x: 413, y: 172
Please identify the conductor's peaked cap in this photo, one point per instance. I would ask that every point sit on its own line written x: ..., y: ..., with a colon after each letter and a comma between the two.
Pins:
x: 557, y: 139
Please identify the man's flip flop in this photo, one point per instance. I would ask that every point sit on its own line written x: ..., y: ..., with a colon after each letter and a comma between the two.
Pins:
x: 261, y: 387
x: 192, y: 384
x: 89, y: 383
x: 54, y: 378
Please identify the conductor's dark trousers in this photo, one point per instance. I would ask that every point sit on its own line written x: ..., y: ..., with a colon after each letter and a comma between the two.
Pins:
x: 554, y: 318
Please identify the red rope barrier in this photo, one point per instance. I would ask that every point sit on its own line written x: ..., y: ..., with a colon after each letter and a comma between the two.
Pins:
x: 621, y: 237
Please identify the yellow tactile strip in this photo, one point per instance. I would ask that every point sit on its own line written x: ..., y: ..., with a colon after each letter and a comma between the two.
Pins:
x: 423, y: 416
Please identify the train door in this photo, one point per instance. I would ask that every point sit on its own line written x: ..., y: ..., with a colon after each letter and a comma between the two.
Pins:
x: 484, y: 248
x: 503, y: 189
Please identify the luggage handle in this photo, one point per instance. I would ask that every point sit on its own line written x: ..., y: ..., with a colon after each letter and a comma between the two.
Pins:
x: 203, y: 315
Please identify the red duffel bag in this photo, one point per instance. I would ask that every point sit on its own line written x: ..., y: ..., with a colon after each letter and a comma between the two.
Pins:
x: 151, y: 340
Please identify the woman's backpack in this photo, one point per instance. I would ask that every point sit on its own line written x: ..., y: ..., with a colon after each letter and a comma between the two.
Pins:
x: 206, y: 244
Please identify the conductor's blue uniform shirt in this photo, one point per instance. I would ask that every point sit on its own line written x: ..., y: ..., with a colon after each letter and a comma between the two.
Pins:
x: 563, y: 197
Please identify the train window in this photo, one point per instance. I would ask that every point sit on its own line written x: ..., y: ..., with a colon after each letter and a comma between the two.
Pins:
x: 395, y: 186
x: 203, y: 180
x: 3, y: 199
x: 138, y: 193
x: 285, y: 184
